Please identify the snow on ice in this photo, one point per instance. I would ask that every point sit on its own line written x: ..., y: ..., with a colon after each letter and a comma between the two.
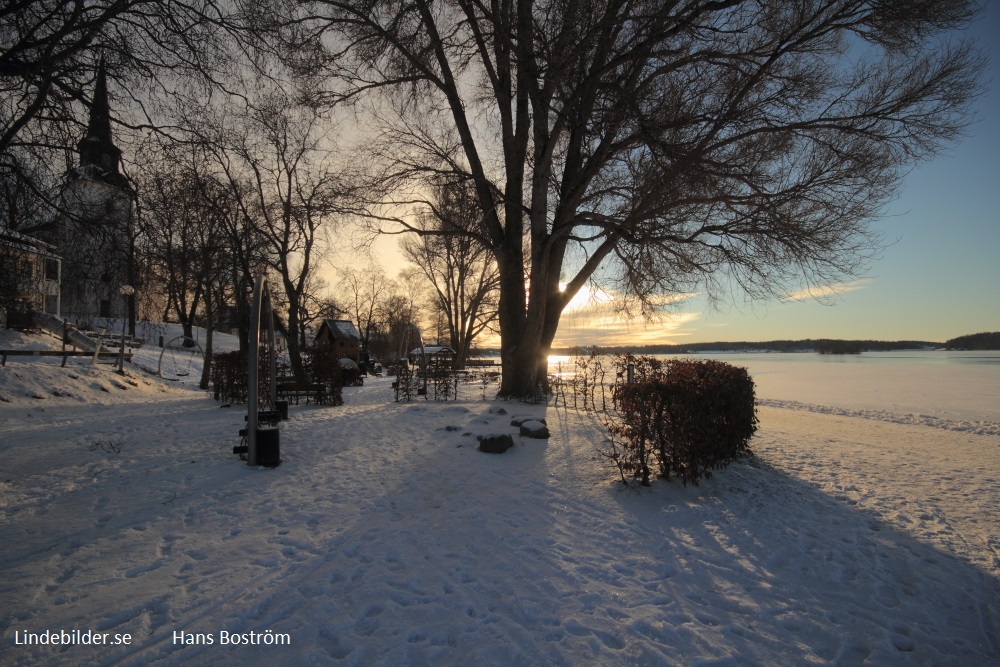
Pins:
x: 863, y: 532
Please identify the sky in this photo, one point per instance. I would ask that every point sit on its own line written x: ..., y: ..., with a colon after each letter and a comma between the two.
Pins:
x: 938, y: 277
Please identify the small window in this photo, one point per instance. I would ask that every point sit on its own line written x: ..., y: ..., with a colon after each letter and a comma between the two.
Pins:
x: 52, y: 269
x: 105, y: 308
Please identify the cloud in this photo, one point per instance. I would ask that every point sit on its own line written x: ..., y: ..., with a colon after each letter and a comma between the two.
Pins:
x: 827, y: 292
x: 595, y: 319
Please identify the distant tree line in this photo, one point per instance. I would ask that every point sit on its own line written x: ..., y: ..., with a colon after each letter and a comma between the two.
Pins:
x: 822, y: 345
x: 980, y: 341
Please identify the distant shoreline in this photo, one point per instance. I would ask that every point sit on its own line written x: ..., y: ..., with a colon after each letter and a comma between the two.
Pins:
x: 976, y: 342
x: 809, y: 345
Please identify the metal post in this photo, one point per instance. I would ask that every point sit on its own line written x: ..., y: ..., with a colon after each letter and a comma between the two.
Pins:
x: 253, y: 353
x: 126, y: 291
x: 259, y: 307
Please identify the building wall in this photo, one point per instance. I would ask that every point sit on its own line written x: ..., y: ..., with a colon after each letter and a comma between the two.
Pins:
x: 32, y: 279
x: 96, y: 247
x: 346, y: 349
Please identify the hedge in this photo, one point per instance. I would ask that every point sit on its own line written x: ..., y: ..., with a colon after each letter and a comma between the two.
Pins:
x: 680, y: 417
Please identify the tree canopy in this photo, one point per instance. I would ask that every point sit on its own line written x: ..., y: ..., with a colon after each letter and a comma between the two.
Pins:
x: 652, y: 146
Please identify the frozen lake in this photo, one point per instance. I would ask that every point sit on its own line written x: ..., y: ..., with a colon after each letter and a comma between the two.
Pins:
x: 956, y: 386
x: 950, y: 385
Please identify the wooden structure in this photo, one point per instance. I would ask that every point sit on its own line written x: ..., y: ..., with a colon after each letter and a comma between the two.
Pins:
x: 436, y: 356
x: 343, y: 336
x: 65, y: 354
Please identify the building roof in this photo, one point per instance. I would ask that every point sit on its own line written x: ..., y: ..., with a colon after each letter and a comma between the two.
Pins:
x: 99, y: 157
x: 12, y: 239
x: 340, y: 330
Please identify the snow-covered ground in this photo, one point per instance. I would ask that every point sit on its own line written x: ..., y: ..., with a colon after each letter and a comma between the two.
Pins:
x: 865, y: 530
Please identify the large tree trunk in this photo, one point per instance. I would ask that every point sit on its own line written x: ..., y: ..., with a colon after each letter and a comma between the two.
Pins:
x: 294, y: 351
x: 295, y: 357
x: 525, y: 351
x: 186, y: 326
x: 206, y: 371
x: 518, y: 359
x: 525, y: 357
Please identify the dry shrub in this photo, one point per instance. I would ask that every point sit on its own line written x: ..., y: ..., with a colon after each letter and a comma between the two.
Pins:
x: 680, y: 417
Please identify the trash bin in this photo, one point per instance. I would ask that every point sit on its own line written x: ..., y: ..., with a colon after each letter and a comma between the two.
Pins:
x: 268, y: 449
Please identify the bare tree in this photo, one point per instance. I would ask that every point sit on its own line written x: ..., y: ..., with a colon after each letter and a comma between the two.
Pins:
x: 275, y: 155
x: 649, y: 145
x: 364, y: 290
x: 182, y: 215
x: 49, y: 51
x: 22, y: 207
x: 462, y: 272
x: 316, y: 305
x: 398, y: 308
x: 279, y: 160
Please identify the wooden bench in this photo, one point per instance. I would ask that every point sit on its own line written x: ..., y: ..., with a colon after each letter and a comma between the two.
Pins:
x: 481, y: 363
x: 116, y: 342
x: 113, y: 356
x: 296, y: 390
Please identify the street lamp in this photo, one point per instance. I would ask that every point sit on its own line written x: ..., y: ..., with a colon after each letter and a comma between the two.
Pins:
x: 126, y: 291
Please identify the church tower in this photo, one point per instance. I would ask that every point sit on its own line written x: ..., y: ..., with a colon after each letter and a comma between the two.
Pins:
x: 99, y: 157
x: 96, y: 234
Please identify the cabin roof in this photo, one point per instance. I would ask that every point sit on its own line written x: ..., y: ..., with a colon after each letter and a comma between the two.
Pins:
x: 340, y: 330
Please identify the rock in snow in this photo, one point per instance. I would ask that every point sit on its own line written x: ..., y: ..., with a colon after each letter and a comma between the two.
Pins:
x: 495, y: 443
x: 534, y: 428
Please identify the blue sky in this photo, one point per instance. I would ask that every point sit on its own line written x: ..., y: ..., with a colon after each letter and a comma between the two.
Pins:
x: 939, y: 278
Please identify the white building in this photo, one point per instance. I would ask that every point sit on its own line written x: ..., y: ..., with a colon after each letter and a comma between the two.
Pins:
x: 95, y: 234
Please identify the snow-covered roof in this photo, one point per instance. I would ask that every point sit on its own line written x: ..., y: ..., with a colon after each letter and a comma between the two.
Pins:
x: 12, y: 239
x: 341, y: 329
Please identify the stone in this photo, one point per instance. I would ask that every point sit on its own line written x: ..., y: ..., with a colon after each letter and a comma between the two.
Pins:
x: 517, y: 421
x: 496, y: 443
x: 534, y: 428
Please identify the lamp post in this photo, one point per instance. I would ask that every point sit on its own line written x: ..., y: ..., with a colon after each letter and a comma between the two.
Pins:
x: 126, y: 291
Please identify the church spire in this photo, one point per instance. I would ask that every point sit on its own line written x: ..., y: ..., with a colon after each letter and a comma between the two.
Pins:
x: 97, y: 148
